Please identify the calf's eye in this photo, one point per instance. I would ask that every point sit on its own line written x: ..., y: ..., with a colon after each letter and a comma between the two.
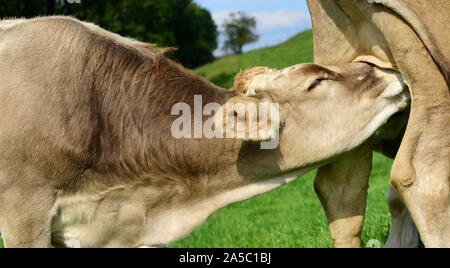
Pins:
x: 315, y: 84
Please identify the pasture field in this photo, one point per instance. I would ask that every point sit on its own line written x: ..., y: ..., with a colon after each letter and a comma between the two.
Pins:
x: 298, y: 49
x: 290, y: 216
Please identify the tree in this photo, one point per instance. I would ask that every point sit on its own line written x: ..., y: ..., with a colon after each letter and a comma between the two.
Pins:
x: 177, y: 23
x: 25, y: 8
x: 239, y: 30
x: 50, y: 7
x: 195, y: 34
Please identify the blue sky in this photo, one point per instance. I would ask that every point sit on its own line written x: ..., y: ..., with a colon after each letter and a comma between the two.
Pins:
x: 277, y: 20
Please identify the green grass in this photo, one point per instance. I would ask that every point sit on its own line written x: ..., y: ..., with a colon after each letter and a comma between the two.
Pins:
x: 292, y: 215
x: 296, y: 50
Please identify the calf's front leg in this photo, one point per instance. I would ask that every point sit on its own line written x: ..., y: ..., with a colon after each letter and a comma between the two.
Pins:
x: 342, y: 189
x: 25, y: 217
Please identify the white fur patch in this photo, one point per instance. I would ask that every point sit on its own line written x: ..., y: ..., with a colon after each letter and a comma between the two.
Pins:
x: 395, y: 80
x: 73, y: 243
x: 261, y: 81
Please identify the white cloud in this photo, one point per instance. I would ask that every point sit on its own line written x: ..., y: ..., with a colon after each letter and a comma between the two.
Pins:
x: 281, y: 19
x: 270, y: 21
x: 220, y: 17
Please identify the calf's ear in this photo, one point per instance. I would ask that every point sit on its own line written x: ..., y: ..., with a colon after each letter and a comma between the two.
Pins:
x: 249, y: 119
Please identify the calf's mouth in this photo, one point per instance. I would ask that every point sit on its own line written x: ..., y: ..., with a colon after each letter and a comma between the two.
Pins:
x: 397, y: 87
x: 396, y: 124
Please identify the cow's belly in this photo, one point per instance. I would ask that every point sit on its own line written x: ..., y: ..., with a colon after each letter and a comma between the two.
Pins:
x: 99, y: 221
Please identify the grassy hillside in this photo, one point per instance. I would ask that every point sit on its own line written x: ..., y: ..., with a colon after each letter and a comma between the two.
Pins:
x: 296, y: 50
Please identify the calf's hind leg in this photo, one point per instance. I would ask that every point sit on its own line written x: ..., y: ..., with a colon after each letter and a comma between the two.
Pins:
x: 342, y: 189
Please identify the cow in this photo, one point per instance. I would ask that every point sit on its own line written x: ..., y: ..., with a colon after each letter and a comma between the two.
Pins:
x: 88, y: 154
x: 410, y: 37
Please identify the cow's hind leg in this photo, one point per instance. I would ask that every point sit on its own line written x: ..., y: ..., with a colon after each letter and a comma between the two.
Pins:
x: 342, y: 189
x: 25, y: 216
x: 421, y: 175
x: 427, y: 198
x: 403, y: 232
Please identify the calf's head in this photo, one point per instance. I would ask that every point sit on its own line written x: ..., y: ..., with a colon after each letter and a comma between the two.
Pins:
x: 323, y: 110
